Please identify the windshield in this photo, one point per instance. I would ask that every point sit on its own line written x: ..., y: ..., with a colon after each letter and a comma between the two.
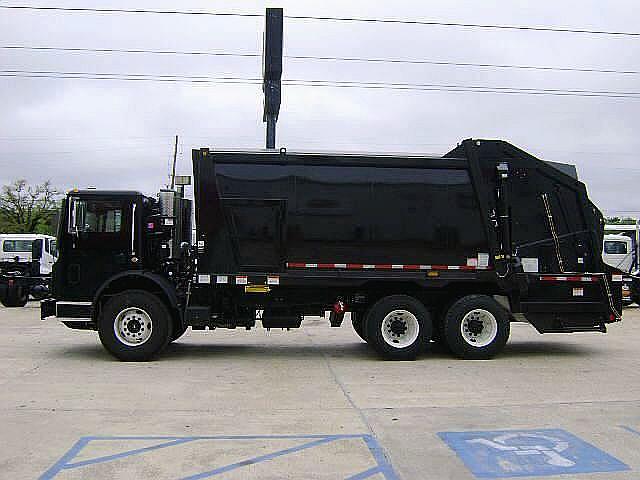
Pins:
x: 615, y: 247
x: 17, y: 245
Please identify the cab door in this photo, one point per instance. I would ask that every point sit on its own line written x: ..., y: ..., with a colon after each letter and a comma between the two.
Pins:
x: 98, y: 243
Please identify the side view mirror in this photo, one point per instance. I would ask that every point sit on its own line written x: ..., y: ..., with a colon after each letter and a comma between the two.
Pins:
x: 76, y: 220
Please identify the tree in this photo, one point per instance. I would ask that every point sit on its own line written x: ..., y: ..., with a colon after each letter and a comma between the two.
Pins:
x: 27, y: 208
x: 620, y: 221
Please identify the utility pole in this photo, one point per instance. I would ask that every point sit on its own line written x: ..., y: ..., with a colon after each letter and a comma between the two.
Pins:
x: 173, y: 168
x: 272, y: 72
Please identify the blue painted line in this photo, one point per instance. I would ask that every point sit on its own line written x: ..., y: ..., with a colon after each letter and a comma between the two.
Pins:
x: 378, y: 454
x: 261, y: 458
x: 227, y: 437
x: 128, y: 453
x: 629, y: 429
x: 366, y: 474
x: 383, y: 466
x: 70, y: 455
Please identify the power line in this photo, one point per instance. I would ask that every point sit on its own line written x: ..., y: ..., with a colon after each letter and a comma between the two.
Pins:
x: 420, y: 85
x: 317, y: 83
x: 463, y: 64
x: 325, y: 58
x: 465, y: 25
x: 131, y: 10
x: 150, y: 75
x: 329, y: 18
x: 131, y: 50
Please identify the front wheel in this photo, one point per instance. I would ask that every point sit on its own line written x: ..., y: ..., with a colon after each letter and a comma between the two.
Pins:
x: 134, y: 326
x: 476, y: 327
x: 398, y: 327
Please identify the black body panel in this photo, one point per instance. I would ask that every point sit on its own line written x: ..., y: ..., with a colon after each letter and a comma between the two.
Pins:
x: 258, y: 211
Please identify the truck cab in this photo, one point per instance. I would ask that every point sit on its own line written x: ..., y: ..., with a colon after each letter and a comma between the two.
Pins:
x: 617, y: 251
x: 112, y: 241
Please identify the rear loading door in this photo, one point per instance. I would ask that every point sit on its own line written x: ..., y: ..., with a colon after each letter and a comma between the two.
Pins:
x: 556, y: 235
x: 549, y: 230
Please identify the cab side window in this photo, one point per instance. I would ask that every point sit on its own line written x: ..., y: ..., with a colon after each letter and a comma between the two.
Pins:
x: 102, y: 217
x: 100, y: 224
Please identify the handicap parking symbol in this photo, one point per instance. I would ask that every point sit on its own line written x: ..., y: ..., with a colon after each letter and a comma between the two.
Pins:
x: 523, y: 453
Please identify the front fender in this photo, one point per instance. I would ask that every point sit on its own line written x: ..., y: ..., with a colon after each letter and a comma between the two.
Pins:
x: 133, y: 277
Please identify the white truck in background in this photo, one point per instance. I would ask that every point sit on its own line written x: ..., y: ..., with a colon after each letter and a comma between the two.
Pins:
x: 26, y: 262
x: 621, y: 249
x: 617, y: 251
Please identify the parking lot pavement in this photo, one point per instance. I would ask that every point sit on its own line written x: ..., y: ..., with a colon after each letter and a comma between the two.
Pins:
x: 316, y: 403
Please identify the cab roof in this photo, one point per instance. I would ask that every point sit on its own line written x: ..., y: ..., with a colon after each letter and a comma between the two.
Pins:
x: 107, y: 193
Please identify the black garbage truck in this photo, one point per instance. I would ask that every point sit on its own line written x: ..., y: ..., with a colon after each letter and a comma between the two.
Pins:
x: 416, y: 249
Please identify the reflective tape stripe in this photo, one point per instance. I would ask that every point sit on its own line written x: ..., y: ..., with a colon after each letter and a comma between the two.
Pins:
x: 383, y: 266
x: 573, y: 278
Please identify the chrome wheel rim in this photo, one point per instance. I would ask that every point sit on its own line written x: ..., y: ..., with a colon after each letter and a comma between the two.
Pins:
x: 133, y: 326
x: 400, y: 328
x: 479, y: 327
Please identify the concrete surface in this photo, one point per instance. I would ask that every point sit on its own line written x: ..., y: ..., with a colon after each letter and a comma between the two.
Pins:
x: 265, y: 403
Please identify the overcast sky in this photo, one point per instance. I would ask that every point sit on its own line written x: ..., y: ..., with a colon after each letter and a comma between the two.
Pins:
x: 119, y: 134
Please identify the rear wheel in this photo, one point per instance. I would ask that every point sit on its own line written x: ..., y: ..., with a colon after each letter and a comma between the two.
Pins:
x: 134, y: 326
x: 398, y: 327
x: 15, y: 297
x: 476, y: 327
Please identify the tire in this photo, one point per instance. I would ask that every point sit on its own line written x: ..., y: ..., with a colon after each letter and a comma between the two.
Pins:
x: 177, y: 333
x: 15, y: 297
x: 398, y: 327
x: 138, y: 318
x: 476, y: 327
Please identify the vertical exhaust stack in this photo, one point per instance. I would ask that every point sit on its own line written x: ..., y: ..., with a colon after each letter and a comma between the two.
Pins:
x: 176, y: 214
x: 167, y: 200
